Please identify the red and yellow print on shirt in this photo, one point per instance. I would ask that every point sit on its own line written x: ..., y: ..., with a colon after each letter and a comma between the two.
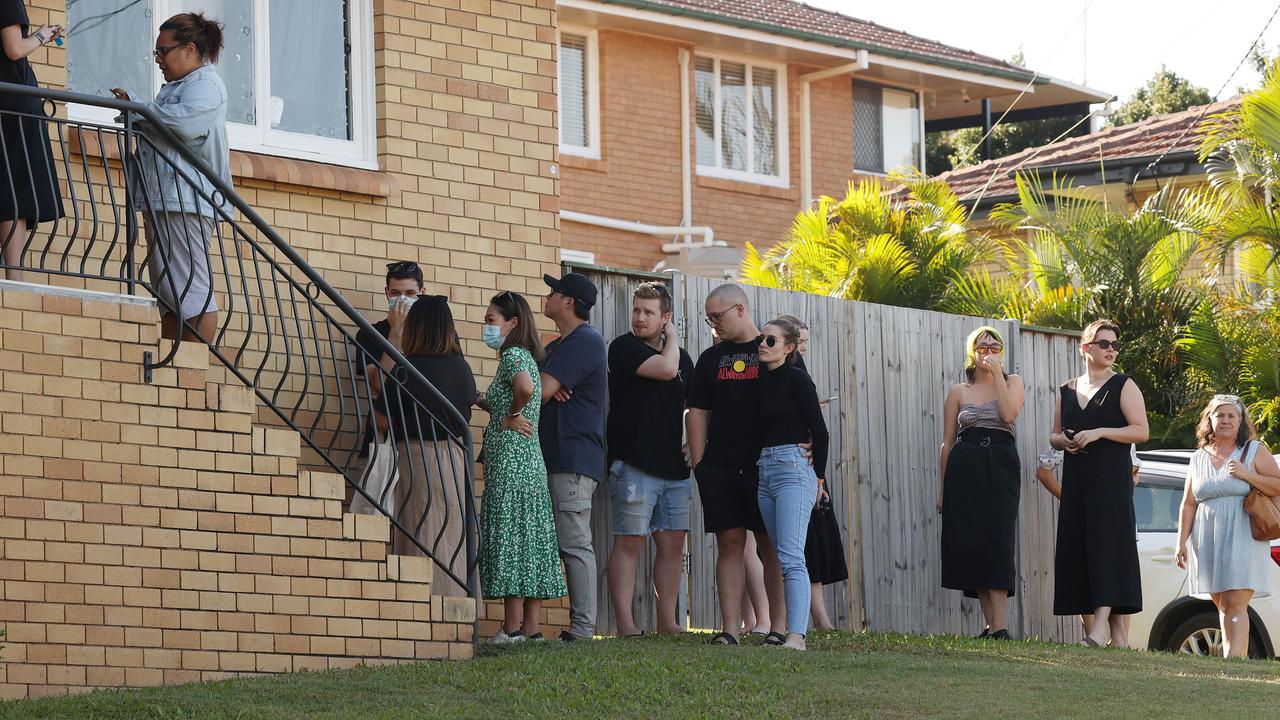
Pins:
x: 739, y: 366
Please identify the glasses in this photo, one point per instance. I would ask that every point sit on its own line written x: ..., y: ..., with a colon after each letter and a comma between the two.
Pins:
x: 713, y: 319
x: 989, y: 349
x: 160, y: 52
x: 769, y: 340
x: 1106, y: 344
x: 402, y: 266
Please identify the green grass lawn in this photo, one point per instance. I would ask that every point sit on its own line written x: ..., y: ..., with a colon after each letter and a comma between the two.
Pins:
x: 842, y: 676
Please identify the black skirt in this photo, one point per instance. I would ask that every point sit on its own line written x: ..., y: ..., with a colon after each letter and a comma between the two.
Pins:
x: 28, y: 176
x: 823, y: 550
x: 980, y: 512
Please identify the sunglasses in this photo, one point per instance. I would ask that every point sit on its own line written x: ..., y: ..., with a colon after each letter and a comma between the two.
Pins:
x: 402, y: 266
x: 989, y: 349
x: 1106, y: 344
x: 769, y: 340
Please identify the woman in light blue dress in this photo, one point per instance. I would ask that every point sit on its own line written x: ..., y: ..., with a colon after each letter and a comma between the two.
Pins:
x: 1215, y: 539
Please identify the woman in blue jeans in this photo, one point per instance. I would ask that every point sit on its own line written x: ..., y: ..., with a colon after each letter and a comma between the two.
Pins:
x: 788, y: 484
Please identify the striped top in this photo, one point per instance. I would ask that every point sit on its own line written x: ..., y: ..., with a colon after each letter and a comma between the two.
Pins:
x: 982, y: 415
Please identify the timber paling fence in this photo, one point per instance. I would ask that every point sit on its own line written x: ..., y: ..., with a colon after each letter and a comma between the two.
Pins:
x: 890, y: 369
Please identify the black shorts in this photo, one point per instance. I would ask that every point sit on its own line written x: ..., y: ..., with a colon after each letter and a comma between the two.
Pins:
x: 729, y: 498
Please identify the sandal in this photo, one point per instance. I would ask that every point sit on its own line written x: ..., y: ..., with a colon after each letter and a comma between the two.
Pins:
x: 775, y: 638
x: 1090, y: 642
x: 723, y: 638
x: 635, y: 635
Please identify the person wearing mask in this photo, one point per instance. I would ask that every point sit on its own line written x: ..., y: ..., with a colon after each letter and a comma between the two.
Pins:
x: 403, y: 286
x: 1096, y: 417
x: 171, y: 192
x: 1215, y: 537
x: 431, y: 485
x: 519, y: 562
x: 790, y: 415
x: 29, y: 180
x: 980, y: 483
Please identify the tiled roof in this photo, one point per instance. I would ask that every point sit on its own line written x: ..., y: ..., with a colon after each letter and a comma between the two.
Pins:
x: 799, y: 20
x: 1146, y: 139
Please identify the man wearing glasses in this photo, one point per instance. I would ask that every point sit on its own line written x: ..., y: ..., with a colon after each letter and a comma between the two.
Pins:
x: 571, y: 431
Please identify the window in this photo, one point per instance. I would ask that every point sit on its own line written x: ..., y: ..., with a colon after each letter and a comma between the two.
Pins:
x: 740, y: 127
x: 579, y: 97
x: 1157, y: 501
x: 887, y: 127
x: 299, y: 73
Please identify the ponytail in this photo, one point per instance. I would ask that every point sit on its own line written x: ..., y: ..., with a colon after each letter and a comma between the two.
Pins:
x: 203, y: 32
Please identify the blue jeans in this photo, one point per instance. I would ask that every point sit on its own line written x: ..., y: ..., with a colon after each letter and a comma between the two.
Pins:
x: 788, y: 489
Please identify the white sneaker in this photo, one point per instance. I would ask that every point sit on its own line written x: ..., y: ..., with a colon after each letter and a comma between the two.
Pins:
x: 502, y: 638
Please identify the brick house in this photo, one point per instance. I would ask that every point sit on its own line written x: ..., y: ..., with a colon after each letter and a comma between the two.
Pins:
x: 726, y: 116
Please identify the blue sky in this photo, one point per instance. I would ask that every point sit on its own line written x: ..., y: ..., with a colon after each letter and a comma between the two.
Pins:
x: 1119, y: 45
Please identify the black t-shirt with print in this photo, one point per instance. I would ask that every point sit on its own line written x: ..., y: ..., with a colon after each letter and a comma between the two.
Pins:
x: 726, y: 382
x: 646, y: 416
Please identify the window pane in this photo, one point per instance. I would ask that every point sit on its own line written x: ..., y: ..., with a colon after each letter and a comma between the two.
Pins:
x: 235, y: 64
x: 901, y: 130
x: 733, y: 115
x: 310, y: 68
x: 574, y: 115
x: 1156, y: 507
x: 764, y: 116
x: 109, y: 45
x: 704, y: 93
x: 868, y: 138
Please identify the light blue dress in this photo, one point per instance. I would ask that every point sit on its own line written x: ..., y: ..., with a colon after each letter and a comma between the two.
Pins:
x: 1221, y: 552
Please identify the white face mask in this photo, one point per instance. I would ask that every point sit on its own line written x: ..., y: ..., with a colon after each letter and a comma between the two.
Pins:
x: 408, y: 301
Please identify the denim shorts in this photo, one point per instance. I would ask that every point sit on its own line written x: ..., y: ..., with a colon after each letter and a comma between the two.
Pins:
x: 643, y: 503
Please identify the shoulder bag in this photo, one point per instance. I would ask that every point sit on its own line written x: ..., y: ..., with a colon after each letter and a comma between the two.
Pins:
x: 1264, y: 511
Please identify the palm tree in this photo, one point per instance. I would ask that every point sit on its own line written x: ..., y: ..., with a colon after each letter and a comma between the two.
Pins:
x: 907, y: 249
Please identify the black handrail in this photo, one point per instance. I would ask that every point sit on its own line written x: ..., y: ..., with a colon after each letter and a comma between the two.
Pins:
x: 417, y: 414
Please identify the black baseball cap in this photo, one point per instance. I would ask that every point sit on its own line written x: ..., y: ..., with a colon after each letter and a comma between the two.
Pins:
x: 575, y: 286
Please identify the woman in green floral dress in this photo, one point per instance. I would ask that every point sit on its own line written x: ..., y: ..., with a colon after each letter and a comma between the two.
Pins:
x: 519, y: 556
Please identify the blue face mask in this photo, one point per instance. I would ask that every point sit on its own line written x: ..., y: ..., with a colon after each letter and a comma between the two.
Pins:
x: 492, y: 335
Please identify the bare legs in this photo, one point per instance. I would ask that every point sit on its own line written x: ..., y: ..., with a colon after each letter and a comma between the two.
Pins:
x: 730, y: 577
x: 667, y: 567
x: 755, y: 601
x: 206, y: 324
x: 993, y: 604
x: 521, y: 614
x: 13, y: 236
x: 1233, y: 618
x: 773, y: 588
x: 818, y: 608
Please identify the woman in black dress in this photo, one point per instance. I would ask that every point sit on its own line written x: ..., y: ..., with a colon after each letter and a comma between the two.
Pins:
x: 28, y: 179
x: 981, y: 481
x: 1096, y: 417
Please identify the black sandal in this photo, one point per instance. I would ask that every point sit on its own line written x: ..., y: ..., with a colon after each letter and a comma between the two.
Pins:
x: 723, y: 638
x: 775, y: 638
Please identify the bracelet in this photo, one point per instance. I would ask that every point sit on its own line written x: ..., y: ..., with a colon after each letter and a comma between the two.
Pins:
x: 39, y: 35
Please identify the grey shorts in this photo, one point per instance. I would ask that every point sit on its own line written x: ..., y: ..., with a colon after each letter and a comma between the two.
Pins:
x: 644, y: 504
x: 178, y: 263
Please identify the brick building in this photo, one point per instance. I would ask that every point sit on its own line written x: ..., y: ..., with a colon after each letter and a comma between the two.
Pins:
x: 729, y: 115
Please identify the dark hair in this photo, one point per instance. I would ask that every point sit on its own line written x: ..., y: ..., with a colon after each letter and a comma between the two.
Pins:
x: 655, y: 291
x: 797, y: 321
x: 1204, y: 429
x: 513, y: 305
x: 429, y: 328
x: 404, y: 270
x: 205, y: 33
x: 790, y: 335
x: 580, y: 311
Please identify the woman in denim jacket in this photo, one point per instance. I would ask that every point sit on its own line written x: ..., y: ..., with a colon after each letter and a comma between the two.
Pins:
x: 179, y: 203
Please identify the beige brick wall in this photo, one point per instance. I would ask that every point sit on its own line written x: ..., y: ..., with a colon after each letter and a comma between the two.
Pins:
x: 153, y: 533
x: 638, y: 176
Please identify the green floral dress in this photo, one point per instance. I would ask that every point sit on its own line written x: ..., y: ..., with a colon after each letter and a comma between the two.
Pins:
x: 519, y: 555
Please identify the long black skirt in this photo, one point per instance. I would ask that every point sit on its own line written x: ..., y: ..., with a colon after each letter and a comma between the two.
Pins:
x: 980, y: 513
x: 28, y: 175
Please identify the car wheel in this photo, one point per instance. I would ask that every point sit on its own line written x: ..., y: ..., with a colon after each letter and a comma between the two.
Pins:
x: 1200, y: 635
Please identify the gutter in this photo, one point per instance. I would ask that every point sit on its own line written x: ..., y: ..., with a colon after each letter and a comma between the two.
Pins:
x: 1022, y: 76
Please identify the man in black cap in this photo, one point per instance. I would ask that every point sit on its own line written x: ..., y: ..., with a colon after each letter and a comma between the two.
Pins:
x: 571, y: 430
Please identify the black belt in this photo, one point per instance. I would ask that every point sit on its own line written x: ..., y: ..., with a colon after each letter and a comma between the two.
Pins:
x: 986, y: 436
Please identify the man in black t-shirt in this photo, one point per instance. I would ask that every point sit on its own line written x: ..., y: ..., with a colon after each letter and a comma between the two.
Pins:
x: 725, y: 437
x: 404, y: 280
x: 649, y: 486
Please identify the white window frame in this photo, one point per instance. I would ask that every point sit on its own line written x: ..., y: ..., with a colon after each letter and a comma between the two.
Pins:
x: 782, y: 115
x: 361, y: 151
x: 919, y: 93
x: 591, y: 150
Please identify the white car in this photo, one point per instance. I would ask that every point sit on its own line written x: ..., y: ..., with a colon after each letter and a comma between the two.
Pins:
x: 1172, y: 620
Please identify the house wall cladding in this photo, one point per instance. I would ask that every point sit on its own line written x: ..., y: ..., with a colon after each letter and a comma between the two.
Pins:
x: 154, y: 533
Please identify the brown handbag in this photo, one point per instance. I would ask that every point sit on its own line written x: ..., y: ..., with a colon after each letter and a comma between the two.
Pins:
x: 1264, y: 513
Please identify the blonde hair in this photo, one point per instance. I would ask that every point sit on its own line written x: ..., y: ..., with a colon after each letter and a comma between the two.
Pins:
x: 1090, y: 332
x: 971, y: 350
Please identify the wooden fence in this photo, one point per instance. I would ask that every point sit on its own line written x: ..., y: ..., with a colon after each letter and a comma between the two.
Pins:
x: 889, y: 369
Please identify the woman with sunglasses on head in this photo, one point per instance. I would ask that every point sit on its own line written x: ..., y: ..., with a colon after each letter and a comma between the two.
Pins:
x: 180, y: 206
x: 519, y: 553
x: 1096, y: 417
x: 1215, y: 538
x: 981, y: 481
x: 788, y: 488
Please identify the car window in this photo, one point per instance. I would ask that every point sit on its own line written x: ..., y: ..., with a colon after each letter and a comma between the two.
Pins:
x: 1156, y: 503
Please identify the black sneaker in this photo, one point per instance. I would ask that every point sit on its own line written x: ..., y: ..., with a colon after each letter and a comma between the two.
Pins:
x: 1000, y: 635
x: 986, y: 633
x: 566, y: 637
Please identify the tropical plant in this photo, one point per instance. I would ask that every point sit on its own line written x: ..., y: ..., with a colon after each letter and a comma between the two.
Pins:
x: 906, y: 248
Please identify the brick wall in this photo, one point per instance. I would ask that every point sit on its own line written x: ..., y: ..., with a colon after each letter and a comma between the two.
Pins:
x: 638, y: 176
x: 154, y: 533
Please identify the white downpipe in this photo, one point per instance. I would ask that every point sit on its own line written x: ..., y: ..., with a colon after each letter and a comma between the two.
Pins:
x: 706, y: 233
x: 686, y: 160
x: 806, y: 121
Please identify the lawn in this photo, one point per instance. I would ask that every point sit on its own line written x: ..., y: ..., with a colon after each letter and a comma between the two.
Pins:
x: 843, y: 675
